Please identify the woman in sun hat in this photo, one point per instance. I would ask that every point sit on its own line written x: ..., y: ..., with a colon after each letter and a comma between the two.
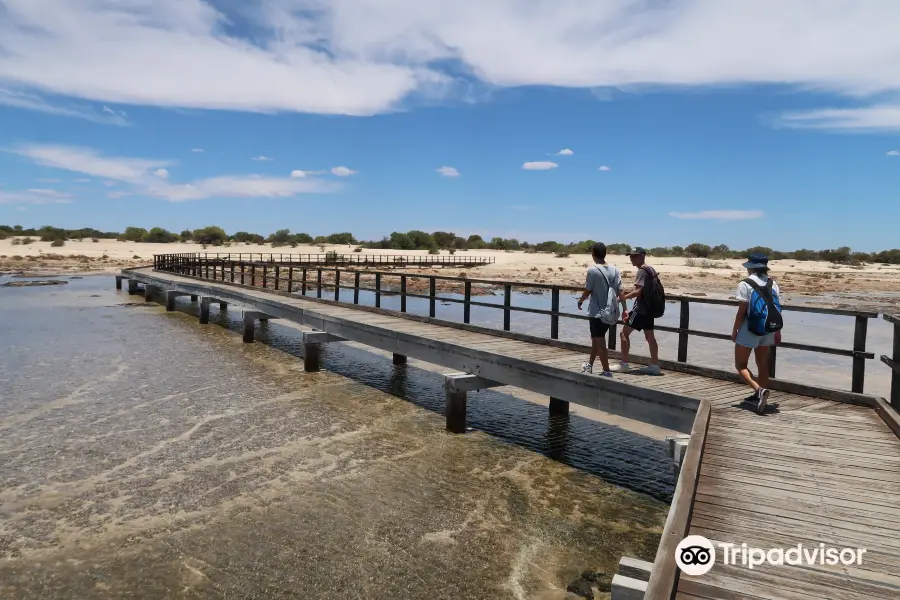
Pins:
x: 752, y: 295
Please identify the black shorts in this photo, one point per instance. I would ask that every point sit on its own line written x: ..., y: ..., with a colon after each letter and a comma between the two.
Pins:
x: 640, y: 322
x: 598, y: 328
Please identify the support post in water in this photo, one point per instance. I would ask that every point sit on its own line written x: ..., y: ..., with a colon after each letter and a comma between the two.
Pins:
x: 193, y: 297
x: 558, y: 407
x: 132, y: 286
x: 312, y: 346
x: 456, y: 388
x: 399, y: 359
x: 223, y: 305
x: 204, y: 310
x: 119, y: 279
x: 250, y: 318
x: 170, y: 298
x: 150, y: 291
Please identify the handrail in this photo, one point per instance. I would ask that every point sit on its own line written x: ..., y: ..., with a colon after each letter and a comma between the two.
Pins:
x: 664, y: 574
x: 272, y: 275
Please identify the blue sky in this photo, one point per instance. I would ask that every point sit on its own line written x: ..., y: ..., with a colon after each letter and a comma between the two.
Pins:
x: 684, y: 122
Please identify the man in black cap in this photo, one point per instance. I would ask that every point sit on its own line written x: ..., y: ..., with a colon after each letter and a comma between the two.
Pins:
x: 637, y: 317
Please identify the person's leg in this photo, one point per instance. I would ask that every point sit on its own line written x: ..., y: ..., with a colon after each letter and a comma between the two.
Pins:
x: 762, y: 364
x: 625, y: 344
x: 741, y: 358
x: 599, y: 349
x: 654, y: 347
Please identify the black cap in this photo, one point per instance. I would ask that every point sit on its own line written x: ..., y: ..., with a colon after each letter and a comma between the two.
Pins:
x: 637, y: 252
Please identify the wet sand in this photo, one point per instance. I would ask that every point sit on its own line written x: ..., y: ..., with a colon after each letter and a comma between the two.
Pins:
x: 142, y: 455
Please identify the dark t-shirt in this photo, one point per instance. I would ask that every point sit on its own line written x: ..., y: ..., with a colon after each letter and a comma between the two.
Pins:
x: 641, y: 279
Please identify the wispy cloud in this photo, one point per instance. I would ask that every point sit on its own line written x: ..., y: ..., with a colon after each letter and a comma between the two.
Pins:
x: 143, y: 177
x: 198, y: 150
x: 884, y: 117
x: 342, y: 171
x: 334, y: 60
x: 448, y: 172
x: 720, y: 215
x: 605, y: 168
x: 565, y: 152
x: 262, y: 158
x: 893, y: 153
x: 28, y: 101
x: 297, y: 174
x: 34, y: 196
x: 540, y: 165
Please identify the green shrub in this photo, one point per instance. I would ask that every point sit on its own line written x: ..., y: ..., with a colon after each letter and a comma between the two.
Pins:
x: 57, y: 243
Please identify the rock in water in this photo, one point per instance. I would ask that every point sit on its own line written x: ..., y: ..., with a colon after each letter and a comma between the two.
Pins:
x: 32, y: 283
x: 581, y: 587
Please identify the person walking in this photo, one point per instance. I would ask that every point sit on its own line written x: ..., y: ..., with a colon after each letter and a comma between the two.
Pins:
x: 757, y: 327
x: 638, y: 318
x: 604, y: 287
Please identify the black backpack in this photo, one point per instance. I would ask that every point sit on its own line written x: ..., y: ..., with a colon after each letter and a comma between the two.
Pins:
x: 653, y: 296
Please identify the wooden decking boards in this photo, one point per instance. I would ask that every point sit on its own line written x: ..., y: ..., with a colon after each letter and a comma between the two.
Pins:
x: 810, y: 471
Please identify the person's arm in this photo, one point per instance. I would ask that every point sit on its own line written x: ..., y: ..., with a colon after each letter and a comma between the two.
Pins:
x: 587, y: 290
x: 739, y: 319
x: 633, y: 293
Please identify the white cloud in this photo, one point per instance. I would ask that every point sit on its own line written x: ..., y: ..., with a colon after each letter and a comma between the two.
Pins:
x: 366, y: 56
x: 448, y: 172
x: 873, y: 118
x: 198, y: 150
x: 142, y: 177
x: 342, y: 172
x: 34, y: 196
x: 604, y: 168
x: 29, y: 101
x: 565, y: 152
x: 262, y: 158
x: 893, y: 153
x: 540, y: 165
x: 720, y: 215
x: 297, y: 174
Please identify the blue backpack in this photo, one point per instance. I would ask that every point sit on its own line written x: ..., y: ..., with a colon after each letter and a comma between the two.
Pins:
x: 764, y: 312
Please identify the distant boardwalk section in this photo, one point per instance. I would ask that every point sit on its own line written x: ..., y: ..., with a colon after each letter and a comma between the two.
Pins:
x: 196, y: 260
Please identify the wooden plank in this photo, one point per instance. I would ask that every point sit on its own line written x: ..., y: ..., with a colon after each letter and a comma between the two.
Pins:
x: 814, y: 456
x: 786, y: 448
x: 764, y: 436
x: 790, y: 527
x: 664, y: 577
x: 798, y: 422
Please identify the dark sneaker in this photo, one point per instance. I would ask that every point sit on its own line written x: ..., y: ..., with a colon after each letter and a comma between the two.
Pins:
x: 752, y: 399
x: 763, y: 395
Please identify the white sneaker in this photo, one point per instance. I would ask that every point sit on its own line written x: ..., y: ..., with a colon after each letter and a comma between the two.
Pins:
x: 587, y: 368
x: 650, y: 370
x: 621, y: 367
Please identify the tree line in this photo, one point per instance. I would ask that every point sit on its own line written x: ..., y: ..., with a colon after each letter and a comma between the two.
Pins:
x: 436, y: 241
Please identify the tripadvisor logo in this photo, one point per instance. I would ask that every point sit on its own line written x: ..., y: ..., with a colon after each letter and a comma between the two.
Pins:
x: 696, y: 555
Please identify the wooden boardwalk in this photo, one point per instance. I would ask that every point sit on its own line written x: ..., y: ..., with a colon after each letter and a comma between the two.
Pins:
x: 811, y: 471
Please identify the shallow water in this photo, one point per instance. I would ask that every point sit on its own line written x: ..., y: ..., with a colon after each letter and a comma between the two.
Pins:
x: 144, y: 455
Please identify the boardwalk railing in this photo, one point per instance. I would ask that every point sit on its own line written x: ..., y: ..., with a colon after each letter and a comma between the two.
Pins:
x: 894, y: 361
x: 292, y: 278
x: 168, y: 261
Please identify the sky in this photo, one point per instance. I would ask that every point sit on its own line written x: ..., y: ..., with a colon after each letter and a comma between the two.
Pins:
x: 650, y: 122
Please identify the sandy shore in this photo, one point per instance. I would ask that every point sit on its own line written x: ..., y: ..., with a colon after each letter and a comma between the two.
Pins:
x: 872, y: 285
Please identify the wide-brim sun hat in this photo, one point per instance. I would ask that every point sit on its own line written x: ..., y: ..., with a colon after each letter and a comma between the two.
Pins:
x: 757, y: 261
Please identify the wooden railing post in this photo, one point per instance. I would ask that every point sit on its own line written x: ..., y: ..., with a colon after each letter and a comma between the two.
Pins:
x: 356, y: 288
x: 895, y: 375
x: 303, y: 282
x: 232, y: 272
x: 277, y: 272
x: 265, y: 276
x: 377, y: 290
x: 432, y: 297
x: 243, y: 270
x: 554, y: 319
x: 507, y: 302
x: 319, y: 282
x: 253, y: 274
x: 337, y: 285
x: 773, y: 357
x: 290, y: 280
x: 467, y: 306
x: 612, y: 337
x: 684, y: 324
x: 859, y: 362
x: 403, y: 293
